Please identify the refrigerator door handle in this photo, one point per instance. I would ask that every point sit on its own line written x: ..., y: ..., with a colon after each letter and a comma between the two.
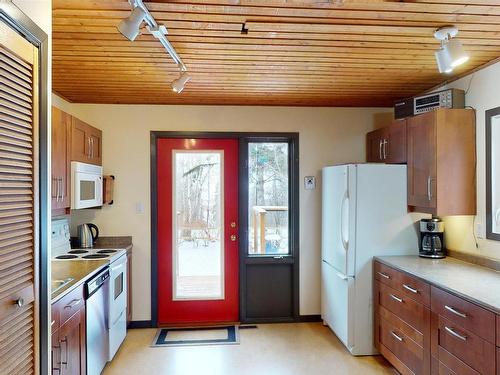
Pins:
x: 342, y: 275
x: 345, y: 242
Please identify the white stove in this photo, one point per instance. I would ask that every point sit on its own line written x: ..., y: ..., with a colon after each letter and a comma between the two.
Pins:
x: 116, y: 313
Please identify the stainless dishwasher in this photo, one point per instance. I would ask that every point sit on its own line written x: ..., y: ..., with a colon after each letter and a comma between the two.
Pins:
x: 97, y: 322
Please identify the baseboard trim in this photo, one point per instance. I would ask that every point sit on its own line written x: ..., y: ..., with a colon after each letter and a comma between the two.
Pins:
x: 310, y: 318
x: 140, y: 324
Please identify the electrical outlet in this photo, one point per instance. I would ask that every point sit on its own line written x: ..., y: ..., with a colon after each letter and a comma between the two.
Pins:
x: 480, y: 230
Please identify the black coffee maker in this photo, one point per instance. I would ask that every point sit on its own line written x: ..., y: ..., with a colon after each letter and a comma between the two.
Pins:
x: 432, y: 238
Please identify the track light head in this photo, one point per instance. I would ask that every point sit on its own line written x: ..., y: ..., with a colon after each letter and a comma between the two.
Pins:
x: 178, y: 84
x: 130, y: 26
x: 451, y: 53
x: 443, y: 62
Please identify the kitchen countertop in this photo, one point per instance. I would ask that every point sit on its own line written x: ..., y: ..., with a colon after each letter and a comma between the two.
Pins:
x: 82, y: 270
x: 479, y: 285
x: 78, y: 270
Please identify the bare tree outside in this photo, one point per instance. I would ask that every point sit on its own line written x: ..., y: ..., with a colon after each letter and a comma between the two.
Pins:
x: 268, y: 198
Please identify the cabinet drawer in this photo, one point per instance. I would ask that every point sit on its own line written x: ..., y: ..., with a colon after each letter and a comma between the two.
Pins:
x: 448, y: 364
x: 410, y: 286
x: 402, y: 326
x: 415, y: 288
x: 402, y: 346
x: 409, y: 310
x: 467, y: 346
x: 70, y: 304
x: 386, y: 275
x: 463, y: 313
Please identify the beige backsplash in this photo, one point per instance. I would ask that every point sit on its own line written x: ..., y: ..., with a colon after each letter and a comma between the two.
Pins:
x: 460, y: 237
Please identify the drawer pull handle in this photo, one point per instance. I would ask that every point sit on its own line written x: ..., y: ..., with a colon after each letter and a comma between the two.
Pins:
x: 413, y: 290
x: 395, y: 298
x: 73, y: 303
x: 52, y: 323
x: 399, y: 338
x: 384, y: 275
x: 457, y: 335
x: 455, y: 311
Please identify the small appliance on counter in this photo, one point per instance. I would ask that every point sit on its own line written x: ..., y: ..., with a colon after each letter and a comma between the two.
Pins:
x: 432, y: 238
x: 87, y: 236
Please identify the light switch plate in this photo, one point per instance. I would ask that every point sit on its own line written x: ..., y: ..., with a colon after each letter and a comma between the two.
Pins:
x: 139, y: 208
x: 309, y: 182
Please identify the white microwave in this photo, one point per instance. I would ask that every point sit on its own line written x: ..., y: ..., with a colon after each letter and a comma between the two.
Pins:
x: 86, y: 182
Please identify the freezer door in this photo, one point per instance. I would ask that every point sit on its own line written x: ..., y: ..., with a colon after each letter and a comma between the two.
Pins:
x: 335, y: 217
x: 337, y: 301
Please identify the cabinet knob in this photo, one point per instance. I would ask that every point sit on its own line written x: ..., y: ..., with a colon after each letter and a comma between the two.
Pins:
x: 233, y: 237
x: 19, y: 302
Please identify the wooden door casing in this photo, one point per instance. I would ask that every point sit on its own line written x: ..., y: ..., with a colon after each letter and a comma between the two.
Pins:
x: 18, y: 202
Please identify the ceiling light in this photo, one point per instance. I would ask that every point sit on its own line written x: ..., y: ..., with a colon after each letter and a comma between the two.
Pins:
x: 443, y: 62
x: 178, y: 84
x: 451, y: 53
x: 130, y: 26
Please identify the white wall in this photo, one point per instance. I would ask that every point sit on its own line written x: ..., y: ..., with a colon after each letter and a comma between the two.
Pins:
x: 327, y: 136
x: 483, y: 94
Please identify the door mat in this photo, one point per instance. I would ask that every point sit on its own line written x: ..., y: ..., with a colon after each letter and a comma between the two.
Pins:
x: 217, y: 335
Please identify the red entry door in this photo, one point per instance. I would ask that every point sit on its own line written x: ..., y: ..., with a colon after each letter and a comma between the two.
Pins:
x: 197, y: 241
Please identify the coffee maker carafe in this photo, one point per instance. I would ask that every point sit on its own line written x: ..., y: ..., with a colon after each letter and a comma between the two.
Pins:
x: 432, y: 238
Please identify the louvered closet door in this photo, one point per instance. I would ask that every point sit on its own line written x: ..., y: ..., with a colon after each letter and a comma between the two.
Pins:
x: 18, y: 203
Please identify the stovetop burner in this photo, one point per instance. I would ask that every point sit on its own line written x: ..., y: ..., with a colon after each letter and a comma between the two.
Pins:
x: 95, y: 256
x: 106, y: 251
x: 66, y: 257
x: 78, y: 252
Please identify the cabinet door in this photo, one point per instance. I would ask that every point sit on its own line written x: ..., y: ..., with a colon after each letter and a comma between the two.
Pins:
x: 61, y: 129
x: 95, y: 141
x: 80, y: 141
x: 374, y: 144
x: 72, y: 342
x: 422, y: 161
x: 55, y: 354
x: 394, y: 143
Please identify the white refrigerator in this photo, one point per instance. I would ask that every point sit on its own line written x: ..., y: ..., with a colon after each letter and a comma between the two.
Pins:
x: 364, y: 214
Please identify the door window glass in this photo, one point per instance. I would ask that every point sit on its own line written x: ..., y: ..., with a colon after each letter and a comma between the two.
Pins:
x: 198, y: 225
x: 268, y: 232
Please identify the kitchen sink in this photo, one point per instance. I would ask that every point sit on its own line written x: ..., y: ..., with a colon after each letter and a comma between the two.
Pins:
x: 58, y: 284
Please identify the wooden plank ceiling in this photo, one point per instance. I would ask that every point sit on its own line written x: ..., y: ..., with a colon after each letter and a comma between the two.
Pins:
x: 291, y: 52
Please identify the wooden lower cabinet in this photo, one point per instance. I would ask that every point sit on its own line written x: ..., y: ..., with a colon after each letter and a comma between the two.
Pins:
x: 68, y: 336
x: 453, y: 337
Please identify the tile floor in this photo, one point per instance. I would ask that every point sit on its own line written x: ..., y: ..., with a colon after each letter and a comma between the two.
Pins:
x: 274, y: 349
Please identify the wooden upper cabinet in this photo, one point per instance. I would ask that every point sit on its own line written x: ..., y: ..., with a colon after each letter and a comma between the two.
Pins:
x: 61, y: 167
x: 441, y: 162
x: 374, y: 140
x: 387, y: 145
x: 394, y: 148
x: 86, y: 143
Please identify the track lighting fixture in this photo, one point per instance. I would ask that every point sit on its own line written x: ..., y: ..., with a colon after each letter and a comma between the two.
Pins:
x: 130, y: 28
x: 179, y: 83
x: 451, y: 53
